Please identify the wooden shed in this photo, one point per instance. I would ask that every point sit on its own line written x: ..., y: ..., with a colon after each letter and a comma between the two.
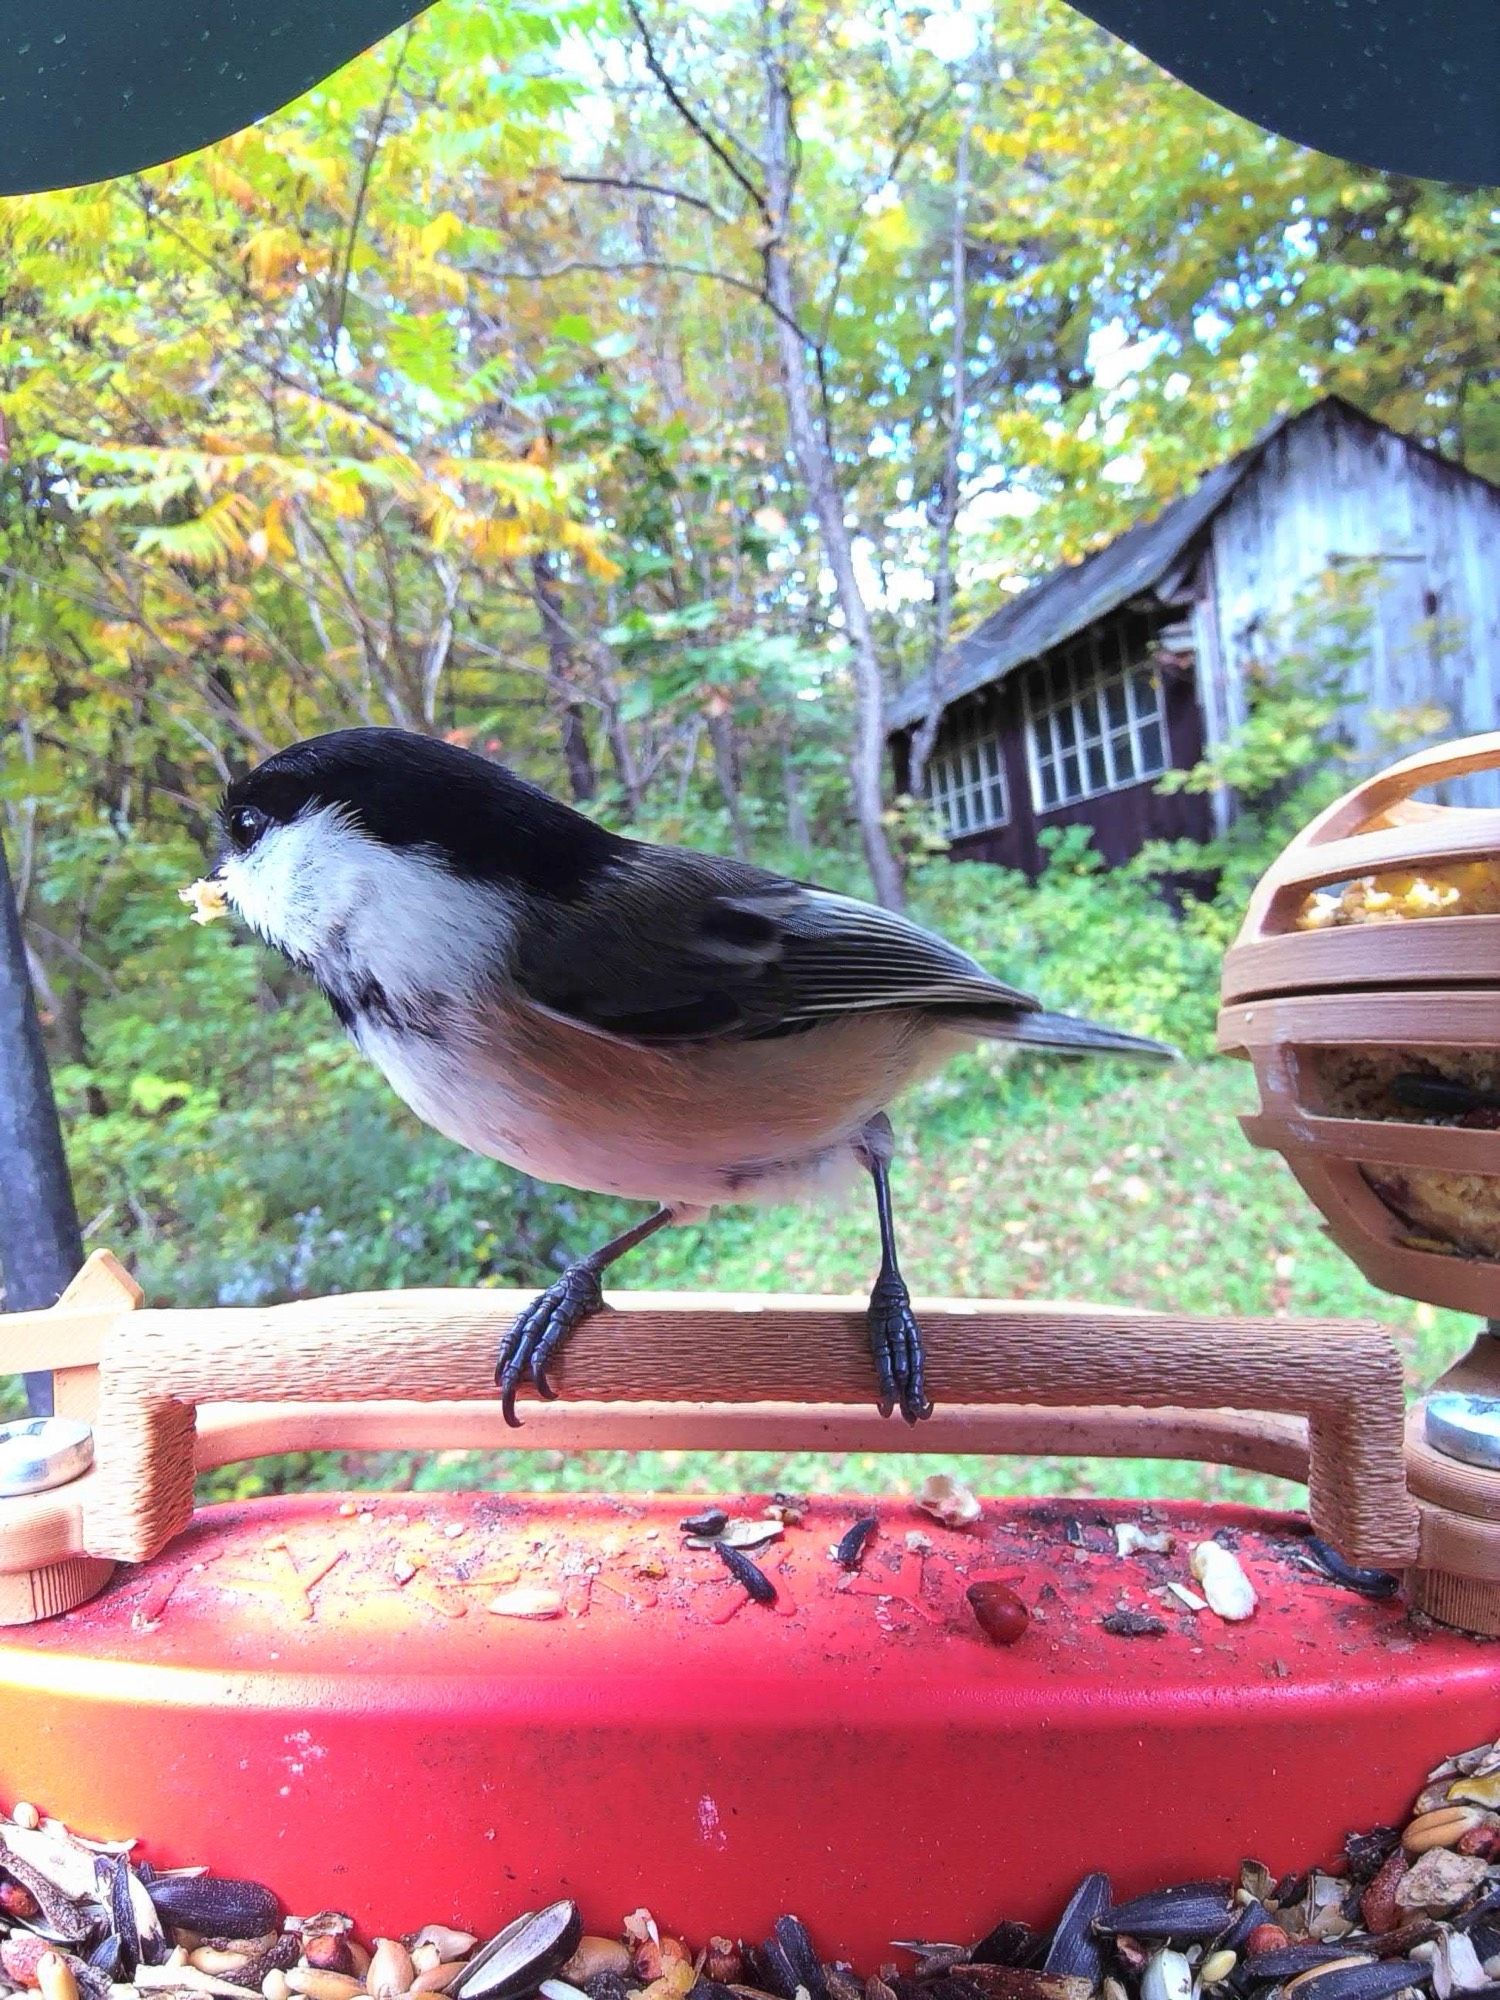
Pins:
x: 1067, y: 705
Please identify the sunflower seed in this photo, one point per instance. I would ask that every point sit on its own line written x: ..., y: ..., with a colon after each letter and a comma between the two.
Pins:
x: 517, y: 1959
x: 215, y: 1905
x: 1074, y: 1950
x: 1190, y: 1914
x: 849, y: 1553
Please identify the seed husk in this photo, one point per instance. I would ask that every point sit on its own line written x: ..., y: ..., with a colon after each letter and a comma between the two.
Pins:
x: 1191, y: 1914
x: 1217, y: 1966
x: 64, y: 1917
x: 1008, y: 1944
x: 447, y: 1942
x: 274, y: 1987
x: 517, y: 1959
x: 1168, y: 1976
x: 1438, y: 1881
x: 1360, y: 1979
x: 279, y: 1956
x: 216, y: 1905
x: 1289, y: 1961
x: 1074, y: 1949
x: 790, y: 1933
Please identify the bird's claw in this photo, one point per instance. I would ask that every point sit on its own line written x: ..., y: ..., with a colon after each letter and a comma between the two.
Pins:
x: 896, y: 1344
x: 540, y: 1331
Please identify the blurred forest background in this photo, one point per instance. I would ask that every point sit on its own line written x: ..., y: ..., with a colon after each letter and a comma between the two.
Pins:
x: 640, y: 393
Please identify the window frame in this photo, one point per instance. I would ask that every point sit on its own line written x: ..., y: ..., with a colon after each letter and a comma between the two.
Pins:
x: 1090, y: 672
x: 979, y: 728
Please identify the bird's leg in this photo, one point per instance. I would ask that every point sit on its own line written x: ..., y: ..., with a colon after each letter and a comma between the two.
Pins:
x: 552, y: 1316
x: 895, y: 1337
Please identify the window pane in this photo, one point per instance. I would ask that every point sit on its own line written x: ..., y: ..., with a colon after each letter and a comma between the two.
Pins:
x: 961, y: 814
x: 1152, y: 757
x: 1088, y: 709
x: 1114, y: 703
x: 1072, y: 786
x: 1143, y: 693
x: 992, y: 756
x: 1047, y: 774
x: 1066, y: 723
x: 1094, y: 765
x: 1122, y: 756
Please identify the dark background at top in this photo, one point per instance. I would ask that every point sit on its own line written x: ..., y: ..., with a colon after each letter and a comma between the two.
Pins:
x: 90, y: 89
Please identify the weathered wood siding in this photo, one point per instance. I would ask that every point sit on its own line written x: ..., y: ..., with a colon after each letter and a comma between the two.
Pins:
x: 1331, y: 491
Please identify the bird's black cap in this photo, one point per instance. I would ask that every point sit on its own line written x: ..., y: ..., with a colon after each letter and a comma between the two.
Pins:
x: 411, y: 791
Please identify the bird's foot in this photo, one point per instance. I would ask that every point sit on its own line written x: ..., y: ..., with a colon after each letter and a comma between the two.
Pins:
x: 896, y: 1343
x: 541, y: 1330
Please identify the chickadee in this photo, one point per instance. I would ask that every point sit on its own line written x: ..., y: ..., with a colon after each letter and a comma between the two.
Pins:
x: 637, y: 1020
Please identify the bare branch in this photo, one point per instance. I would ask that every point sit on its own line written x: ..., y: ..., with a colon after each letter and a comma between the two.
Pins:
x: 692, y: 119
x: 339, y: 300
x: 629, y: 186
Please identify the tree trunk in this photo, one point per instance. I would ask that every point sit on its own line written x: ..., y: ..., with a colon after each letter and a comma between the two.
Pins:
x: 950, y: 484
x: 583, y: 780
x: 814, y: 456
x: 41, y: 1247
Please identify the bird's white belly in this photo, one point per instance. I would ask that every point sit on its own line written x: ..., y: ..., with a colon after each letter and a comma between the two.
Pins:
x: 689, y: 1127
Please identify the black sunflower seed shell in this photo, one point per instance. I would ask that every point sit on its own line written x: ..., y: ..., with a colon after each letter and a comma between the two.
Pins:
x: 215, y: 1905
x: 1074, y: 1951
x: 791, y: 1934
x: 1249, y: 1919
x: 851, y: 1548
x: 1376, y: 1981
x: 517, y: 1959
x: 777, y: 1970
x: 1288, y: 1960
x: 116, y: 1882
x: 64, y: 1920
x: 1193, y: 1913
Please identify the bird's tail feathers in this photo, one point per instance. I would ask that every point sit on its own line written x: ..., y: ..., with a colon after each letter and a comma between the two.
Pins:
x: 1068, y: 1035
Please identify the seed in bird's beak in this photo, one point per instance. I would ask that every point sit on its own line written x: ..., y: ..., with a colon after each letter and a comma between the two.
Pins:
x: 207, y: 898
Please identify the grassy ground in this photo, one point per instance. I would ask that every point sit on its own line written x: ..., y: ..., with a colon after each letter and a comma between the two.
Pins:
x: 1095, y: 1184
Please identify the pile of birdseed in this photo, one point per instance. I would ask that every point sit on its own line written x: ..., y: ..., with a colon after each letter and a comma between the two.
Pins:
x: 1410, y: 1911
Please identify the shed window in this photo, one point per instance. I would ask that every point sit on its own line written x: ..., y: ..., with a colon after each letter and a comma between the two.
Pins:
x: 966, y: 776
x: 1093, y: 721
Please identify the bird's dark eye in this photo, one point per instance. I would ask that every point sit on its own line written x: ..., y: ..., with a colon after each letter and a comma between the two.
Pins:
x: 245, y: 826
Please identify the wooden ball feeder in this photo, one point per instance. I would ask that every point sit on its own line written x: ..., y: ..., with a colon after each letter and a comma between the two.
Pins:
x: 456, y: 1706
x: 1367, y: 1038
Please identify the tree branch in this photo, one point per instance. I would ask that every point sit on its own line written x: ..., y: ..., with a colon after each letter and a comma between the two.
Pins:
x: 339, y: 301
x: 643, y: 187
x: 692, y: 120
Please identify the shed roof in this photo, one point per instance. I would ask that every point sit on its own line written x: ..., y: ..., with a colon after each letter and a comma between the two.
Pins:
x: 1074, y: 597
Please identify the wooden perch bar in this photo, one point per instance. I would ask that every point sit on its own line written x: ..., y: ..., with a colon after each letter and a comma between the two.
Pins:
x: 1320, y: 1400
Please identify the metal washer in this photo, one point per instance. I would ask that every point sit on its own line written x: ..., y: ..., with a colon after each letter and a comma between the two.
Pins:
x: 38, y: 1453
x: 1464, y: 1427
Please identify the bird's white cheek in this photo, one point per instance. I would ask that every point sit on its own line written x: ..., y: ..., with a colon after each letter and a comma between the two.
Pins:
x: 276, y: 889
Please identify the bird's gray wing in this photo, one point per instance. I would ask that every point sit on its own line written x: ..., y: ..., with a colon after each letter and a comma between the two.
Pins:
x: 673, y: 946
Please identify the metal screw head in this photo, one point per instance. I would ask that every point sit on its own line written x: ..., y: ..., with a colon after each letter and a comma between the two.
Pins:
x: 38, y: 1453
x: 1464, y: 1426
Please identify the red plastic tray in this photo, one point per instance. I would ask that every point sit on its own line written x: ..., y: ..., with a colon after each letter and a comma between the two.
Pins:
x: 319, y: 1697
